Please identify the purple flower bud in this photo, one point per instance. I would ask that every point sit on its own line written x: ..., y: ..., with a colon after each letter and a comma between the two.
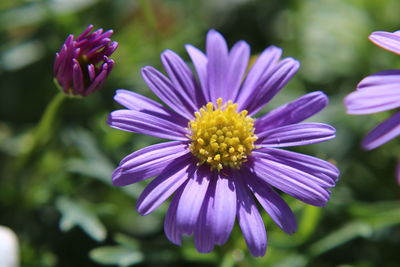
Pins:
x: 82, y: 64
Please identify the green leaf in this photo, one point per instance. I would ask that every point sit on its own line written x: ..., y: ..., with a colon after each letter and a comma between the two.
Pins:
x: 377, y: 215
x: 119, y: 255
x: 78, y: 214
x: 344, y: 234
x: 308, y: 222
x: 292, y: 260
x: 126, y: 241
x: 95, y: 163
x: 370, y: 217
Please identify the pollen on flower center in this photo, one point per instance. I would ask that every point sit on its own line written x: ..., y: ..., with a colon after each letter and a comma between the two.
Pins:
x: 221, y: 136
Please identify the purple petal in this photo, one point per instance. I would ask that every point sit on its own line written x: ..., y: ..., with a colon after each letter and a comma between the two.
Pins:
x: 141, y: 103
x: 238, y: 62
x: 105, y: 52
x: 372, y: 101
x: 57, y: 63
x: 250, y: 220
x: 164, y: 185
x: 93, y: 51
x: 200, y: 64
x: 217, y: 215
x: 262, y: 67
x: 295, y: 135
x: 293, y: 112
x: 79, y: 84
x: 182, y: 79
x: 67, y: 54
x: 147, y: 162
x: 386, y: 77
x: 109, y: 49
x: 85, y: 32
x: 110, y: 63
x: 217, y: 54
x: 383, y: 133
x: 191, y: 200
x: 172, y: 231
x: 91, y: 72
x: 327, y: 172
x: 291, y: 182
x: 271, y: 85
x: 297, y: 168
x: 376, y: 93
x: 134, y: 101
x: 100, y: 78
x: 63, y: 72
x: 165, y: 90
x: 105, y: 35
x: 273, y: 204
x: 85, y: 42
x: 387, y: 40
x: 139, y: 122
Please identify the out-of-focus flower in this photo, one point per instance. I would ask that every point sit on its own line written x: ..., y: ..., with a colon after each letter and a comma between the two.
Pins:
x: 379, y: 92
x: 9, y: 248
x: 221, y: 156
x: 82, y: 65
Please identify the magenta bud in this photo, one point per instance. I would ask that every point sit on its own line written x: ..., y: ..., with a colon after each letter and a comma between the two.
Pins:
x: 82, y: 64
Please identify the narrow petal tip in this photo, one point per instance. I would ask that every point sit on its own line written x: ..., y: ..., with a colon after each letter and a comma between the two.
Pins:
x: 116, y: 175
x: 387, y: 40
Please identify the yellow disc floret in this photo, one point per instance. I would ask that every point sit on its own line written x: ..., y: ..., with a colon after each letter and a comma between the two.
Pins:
x: 221, y: 136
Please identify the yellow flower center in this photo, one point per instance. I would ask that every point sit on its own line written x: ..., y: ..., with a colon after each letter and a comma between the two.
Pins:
x: 221, y: 136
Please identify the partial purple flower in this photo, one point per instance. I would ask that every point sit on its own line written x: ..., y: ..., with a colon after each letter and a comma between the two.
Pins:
x: 379, y: 92
x: 222, y: 159
x: 82, y: 65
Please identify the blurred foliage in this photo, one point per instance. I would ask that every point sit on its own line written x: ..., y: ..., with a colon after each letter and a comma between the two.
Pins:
x: 60, y: 202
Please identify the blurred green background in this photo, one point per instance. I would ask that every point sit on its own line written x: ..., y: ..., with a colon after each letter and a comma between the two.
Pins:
x: 61, y: 203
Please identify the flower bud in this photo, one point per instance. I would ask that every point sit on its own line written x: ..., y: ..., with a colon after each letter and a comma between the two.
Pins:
x: 82, y: 65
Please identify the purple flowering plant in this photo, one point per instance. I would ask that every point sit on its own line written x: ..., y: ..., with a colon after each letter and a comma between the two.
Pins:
x: 377, y: 93
x: 82, y: 64
x: 222, y: 158
x: 80, y: 68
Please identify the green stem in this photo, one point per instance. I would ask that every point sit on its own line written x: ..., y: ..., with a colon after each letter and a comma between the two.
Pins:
x: 227, y: 260
x: 43, y: 130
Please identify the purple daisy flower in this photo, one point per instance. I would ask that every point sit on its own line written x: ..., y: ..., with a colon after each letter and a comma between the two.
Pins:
x: 82, y: 65
x: 222, y: 157
x: 379, y: 92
